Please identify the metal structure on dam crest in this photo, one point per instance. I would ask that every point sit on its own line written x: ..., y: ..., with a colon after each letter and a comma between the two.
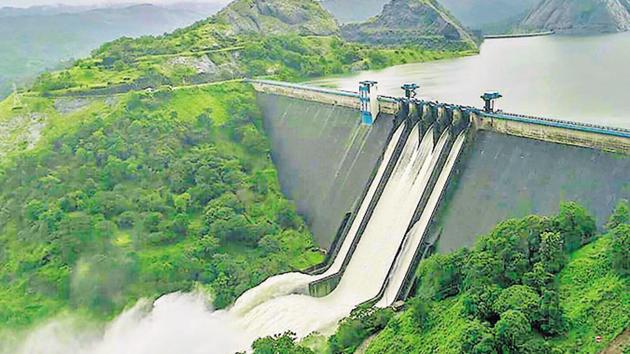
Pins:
x: 371, y: 105
x: 451, y: 125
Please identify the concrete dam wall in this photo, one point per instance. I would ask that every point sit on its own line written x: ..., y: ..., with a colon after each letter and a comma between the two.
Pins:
x: 504, y: 176
x: 500, y: 166
x: 325, y: 157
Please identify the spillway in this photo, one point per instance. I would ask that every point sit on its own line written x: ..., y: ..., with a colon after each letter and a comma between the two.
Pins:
x: 403, y: 264
x: 365, y: 204
x: 368, y: 266
x: 370, y: 261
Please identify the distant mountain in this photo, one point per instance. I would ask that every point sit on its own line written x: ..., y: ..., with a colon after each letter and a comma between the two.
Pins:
x: 580, y: 16
x: 479, y: 14
x: 278, y: 16
x: 414, y: 22
x: 346, y: 11
x: 40, y: 38
x: 9, y: 11
x: 487, y: 15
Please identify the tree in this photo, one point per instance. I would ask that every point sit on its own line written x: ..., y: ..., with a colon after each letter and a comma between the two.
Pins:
x: 479, y: 301
x: 270, y: 244
x: 520, y: 298
x: 75, y: 231
x: 420, y: 309
x: 478, y: 338
x: 621, y: 215
x: 279, y: 344
x: 512, y: 331
x: 353, y: 330
x: 205, y: 246
x: 34, y: 209
x: 152, y: 221
x: 440, y: 276
x: 576, y: 226
x: 287, y: 217
x: 551, y: 321
x: 538, y: 278
x: 552, y: 252
x: 620, y: 253
x: 182, y: 202
x: 482, y: 267
x: 179, y: 225
x: 536, y: 346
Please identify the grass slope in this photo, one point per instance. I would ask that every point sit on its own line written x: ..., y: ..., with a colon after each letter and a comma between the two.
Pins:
x: 595, y: 300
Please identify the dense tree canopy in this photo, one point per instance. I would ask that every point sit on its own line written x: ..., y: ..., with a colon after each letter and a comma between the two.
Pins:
x: 146, y: 200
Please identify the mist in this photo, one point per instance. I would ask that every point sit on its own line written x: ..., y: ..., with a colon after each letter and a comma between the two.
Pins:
x: 175, y: 323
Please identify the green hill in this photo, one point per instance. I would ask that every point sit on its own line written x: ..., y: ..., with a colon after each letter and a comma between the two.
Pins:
x: 530, y: 301
x: 38, y: 39
x: 305, y: 17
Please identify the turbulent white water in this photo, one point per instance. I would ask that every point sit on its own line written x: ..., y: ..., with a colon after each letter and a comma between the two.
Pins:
x: 413, y: 240
x: 185, y: 323
x: 361, y: 213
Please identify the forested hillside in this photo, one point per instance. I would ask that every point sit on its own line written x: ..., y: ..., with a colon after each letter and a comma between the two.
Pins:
x: 534, y: 285
x: 144, y: 168
x: 43, y: 38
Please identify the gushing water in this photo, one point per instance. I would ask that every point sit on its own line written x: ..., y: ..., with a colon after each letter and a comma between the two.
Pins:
x: 417, y: 232
x: 185, y: 323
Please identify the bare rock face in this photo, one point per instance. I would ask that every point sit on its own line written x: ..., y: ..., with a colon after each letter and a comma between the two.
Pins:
x: 305, y: 17
x: 411, y: 22
x: 580, y: 16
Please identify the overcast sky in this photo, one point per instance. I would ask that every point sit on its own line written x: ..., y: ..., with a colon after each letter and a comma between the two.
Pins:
x: 27, y: 3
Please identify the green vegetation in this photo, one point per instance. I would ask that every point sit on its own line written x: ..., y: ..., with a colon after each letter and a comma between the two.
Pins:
x: 162, y: 191
x: 42, y: 39
x: 126, y: 64
x: 534, y: 285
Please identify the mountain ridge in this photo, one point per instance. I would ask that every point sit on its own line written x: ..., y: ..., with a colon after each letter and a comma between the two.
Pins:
x: 580, y: 16
x: 412, y: 22
x: 305, y: 17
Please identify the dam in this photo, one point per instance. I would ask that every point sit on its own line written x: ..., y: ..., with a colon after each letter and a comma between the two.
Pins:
x: 376, y: 216
x: 382, y: 182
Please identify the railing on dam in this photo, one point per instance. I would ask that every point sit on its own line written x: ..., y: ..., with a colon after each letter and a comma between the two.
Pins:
x: 546, y: 129
x: 305, y: 87
x: 564, y: 124
x: 616, y: 140
x: 388, y: 105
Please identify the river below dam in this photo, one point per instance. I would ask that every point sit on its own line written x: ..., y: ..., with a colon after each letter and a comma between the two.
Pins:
x: 578, y: 78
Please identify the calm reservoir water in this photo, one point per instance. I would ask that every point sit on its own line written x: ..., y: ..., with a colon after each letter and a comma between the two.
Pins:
x: 584, y: 79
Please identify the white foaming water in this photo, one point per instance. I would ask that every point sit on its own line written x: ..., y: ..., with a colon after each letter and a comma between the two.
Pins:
x: 413, y: 240
x: 185, y: 323
x: 365, y: 204
x: 176, y: 323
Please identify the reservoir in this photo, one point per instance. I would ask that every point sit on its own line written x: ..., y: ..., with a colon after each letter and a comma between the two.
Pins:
x: 583, y: 79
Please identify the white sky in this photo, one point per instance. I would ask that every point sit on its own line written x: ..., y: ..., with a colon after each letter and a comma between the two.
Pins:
x: 27, y: 3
